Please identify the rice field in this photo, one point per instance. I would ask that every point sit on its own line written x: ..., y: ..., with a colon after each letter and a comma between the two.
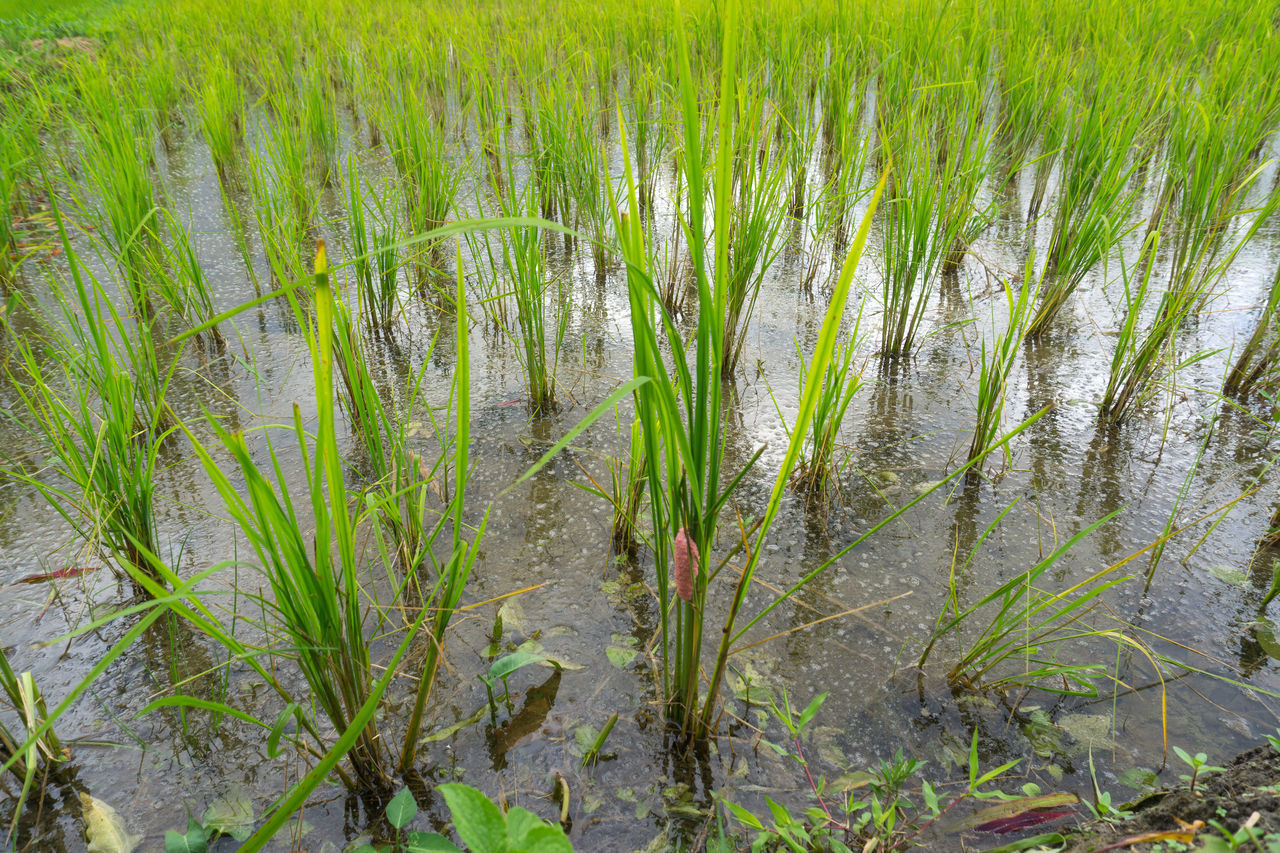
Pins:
x: 658, y: 427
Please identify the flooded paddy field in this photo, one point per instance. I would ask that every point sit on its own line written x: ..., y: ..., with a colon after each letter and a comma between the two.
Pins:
x: 579, y: 404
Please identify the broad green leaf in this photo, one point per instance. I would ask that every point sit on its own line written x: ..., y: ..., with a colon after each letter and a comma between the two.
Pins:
x: 504, y: 667
x: 543, y: 839
x: 479, y: 823
x: 190, y: 842
x: 401, y: 809
x: 430, y: 842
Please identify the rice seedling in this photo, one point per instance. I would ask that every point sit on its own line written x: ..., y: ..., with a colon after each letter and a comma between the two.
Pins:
x: 316, y: 594
x: 1011, y: 636
x: 817, y: 473
x: 681, y: 420
x: 185, y: 287
x: 797, y: 108
x: 99, y: 419
x: 400, y: 479
x: 1211, y: 168
x: 25, y: 755
x: 1255, y: 365
x: 451, y: 574
x: 996, y: 366
x: 917, y: 237
x: 1094, y: 200
x: 1142, y: 360
x: 968, y: 150
x: 538, y: 344
x: 541, y: 306
x: 221, y: 107
x: 416, y: 143
x: 1031, y: 86
x: 644, y: 114
x: 116, y: 164
x: 318, y: 115
x: 11, y: 160
x: 625, y: 492
x: 375, y: 236
x: 825, y: 231
x: 755, y: 224
x: 549, y: 115
x: 588, y: 172
x: 281, y: 225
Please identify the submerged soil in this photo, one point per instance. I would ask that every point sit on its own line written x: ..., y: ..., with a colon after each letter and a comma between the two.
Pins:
x: 1249, y: 784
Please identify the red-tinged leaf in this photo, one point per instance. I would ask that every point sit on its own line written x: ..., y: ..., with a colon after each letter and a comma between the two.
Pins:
x: 60, y: 574
x: 509, y: 403
x: 1022, y: 821
x: 1012, y: 810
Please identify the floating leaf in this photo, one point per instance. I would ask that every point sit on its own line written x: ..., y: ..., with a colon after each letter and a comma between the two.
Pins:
x: 620, y: 657
x: 104, y: 828
x: 1265, y: 634
x: 230, y: 814
x: 585, y: 737
x: 1092, y: 730
x: 190, y: 842
x: 1138, y: 778
x: 849, y: 781
x: 1023, y: 821
x: 1229, y: 575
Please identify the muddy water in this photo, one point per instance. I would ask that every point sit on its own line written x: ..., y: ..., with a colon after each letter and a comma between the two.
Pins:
x: 907, y: 428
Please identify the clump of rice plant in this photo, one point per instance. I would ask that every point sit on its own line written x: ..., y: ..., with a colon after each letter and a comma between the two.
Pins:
x: 996, y: 366
x: 220, y: 104
x: 679, y: 404
x: 1143, y: 359
x: 22, y: 755
x: 755, y: 224
x: 1212, y: 164
x: 182, y: 283
x: 417, y: 144
x: 930, y: 214
x: 11, y: 159
x: 541, y: 307
x: 117, y: 167
x: 316, y: 594
x: 282, y: 225
x: 1015, y: 636
x: 93, y: 399
x: 375, y: 235
x: 817, y: 473
x: 1094, y: 201
x: 1257, y: 361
